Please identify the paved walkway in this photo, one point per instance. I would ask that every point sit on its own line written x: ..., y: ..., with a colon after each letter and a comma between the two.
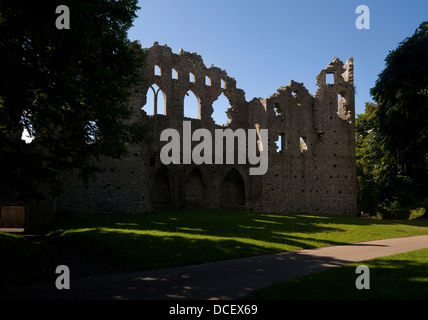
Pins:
x: 229, y: 279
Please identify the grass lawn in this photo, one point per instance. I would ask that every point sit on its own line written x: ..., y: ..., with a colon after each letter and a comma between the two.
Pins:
x: 397, y: 277
x: 166, y: 239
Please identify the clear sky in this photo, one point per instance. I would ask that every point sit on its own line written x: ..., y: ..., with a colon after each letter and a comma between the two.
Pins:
x: 265, y: 44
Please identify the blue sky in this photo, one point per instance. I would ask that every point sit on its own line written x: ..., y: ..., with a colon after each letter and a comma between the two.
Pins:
x: 265, y: 44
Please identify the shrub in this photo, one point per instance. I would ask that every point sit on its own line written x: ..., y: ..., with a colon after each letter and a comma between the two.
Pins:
x: 417, y: 213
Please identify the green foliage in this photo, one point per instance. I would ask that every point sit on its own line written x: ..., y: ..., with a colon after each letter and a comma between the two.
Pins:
x: 401, y: 93
x: 392, y: 136
x: 69, y: 88
x: 368, y: 151
x: 417, y: 213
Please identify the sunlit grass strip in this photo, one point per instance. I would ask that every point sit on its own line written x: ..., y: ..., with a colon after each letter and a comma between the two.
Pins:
x: 10, y: 236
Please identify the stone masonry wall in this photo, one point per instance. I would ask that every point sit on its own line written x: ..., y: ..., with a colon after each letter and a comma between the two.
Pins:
x: 313, y: 170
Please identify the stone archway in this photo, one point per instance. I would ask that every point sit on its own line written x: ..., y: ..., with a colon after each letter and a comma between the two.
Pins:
x: 162, y: 190
x: 233, y: 189
x: 195, y: 189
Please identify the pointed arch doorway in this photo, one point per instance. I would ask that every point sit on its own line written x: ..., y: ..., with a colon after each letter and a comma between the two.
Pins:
x: 233, y: 189
x: 162, y: 187
x: 195, y: 189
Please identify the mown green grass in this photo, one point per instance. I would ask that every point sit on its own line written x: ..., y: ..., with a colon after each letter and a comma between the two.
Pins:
x: 165, y: 239
x: 396, y: 277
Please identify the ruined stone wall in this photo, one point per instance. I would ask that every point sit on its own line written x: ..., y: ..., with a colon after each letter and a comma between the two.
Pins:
x: 314, y: 171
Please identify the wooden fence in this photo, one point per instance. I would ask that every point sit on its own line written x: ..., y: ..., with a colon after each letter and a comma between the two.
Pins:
x: 12, y: 218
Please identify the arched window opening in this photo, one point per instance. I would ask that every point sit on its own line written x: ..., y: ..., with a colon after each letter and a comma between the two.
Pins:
x: 192, y: 77
x: 281, y: 143
x: 220, y: 106
x: 207, y: 81
x: 155, y: 101
x: 191, y: 106
x: 342, y: 107
x: 303, y: 145
x: 157, y: 70
x: 174, y: 74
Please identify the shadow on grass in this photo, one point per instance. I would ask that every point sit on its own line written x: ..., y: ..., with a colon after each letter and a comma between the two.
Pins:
x: 165, y: 239
x: 133, y: 249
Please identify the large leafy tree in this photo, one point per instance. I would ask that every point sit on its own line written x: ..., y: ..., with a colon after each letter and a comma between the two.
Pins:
x: 367, y: 155
x: 401, y: 93
x: 378, y: 181
x: 68, y: 87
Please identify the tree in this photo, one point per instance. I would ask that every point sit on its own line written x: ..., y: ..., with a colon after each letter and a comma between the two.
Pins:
x: 401, y: 92
x: 367, y: 153
x: 376, y: 170
x: 68, y: 87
